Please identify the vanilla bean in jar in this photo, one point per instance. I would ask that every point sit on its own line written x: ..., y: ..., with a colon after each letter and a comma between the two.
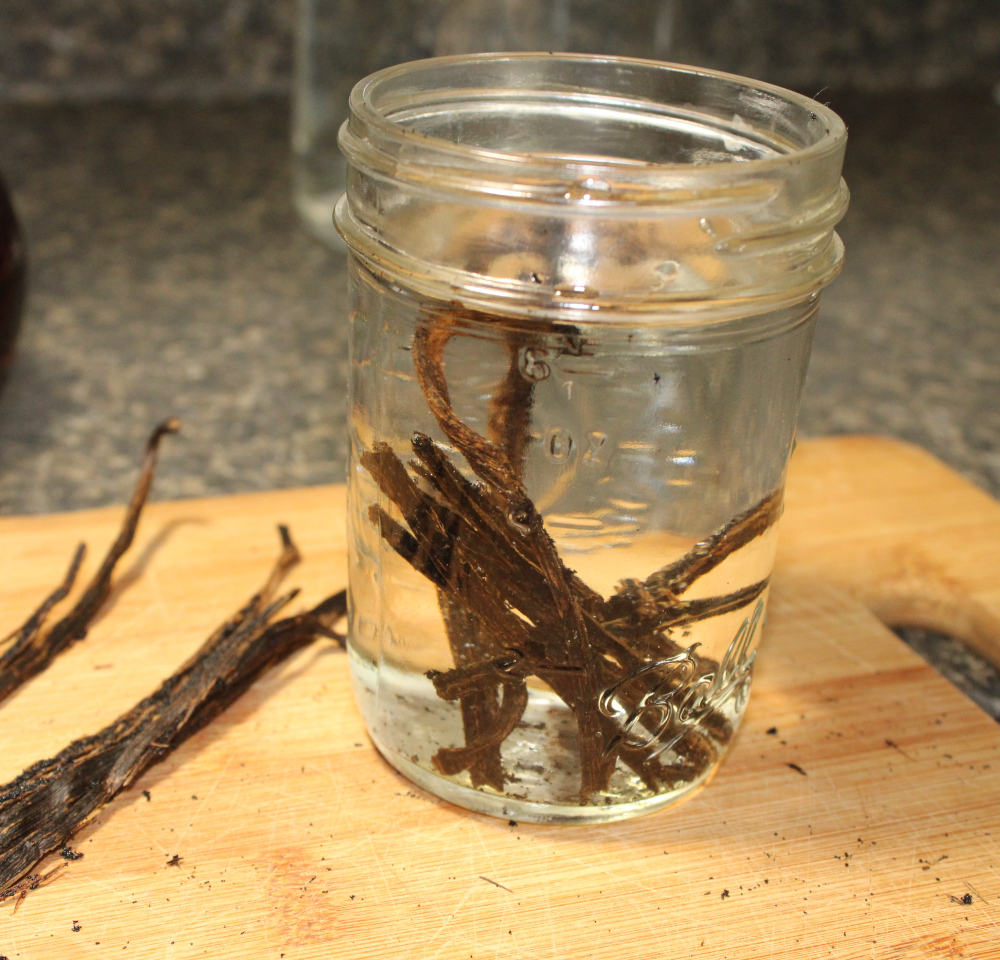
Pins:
x: 583, y: 297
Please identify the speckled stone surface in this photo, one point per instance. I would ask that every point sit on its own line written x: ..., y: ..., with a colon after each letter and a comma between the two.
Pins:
x: 167, y: 275
x: 100, y: 49
x: 908, y: 342
x: 87, y: 49
x: 864, y: 44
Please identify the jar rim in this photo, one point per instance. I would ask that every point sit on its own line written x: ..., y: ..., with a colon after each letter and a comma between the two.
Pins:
x: 393, y: 140
x: 526, y: 130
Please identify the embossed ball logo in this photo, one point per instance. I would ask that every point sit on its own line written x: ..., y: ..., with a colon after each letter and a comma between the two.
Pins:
x: 656, y: 705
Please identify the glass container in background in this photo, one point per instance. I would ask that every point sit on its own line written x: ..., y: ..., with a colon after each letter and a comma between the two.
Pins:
x: 583, y: 298
x: 338, y: 42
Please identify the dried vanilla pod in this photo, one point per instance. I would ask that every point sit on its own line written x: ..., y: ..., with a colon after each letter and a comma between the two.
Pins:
x: 46, y: 805
x: 30, y: 628
x: 31, y: 649
x: 511, y: 607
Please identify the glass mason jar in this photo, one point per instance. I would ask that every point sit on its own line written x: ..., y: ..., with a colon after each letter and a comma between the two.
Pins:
x: 583, y: 296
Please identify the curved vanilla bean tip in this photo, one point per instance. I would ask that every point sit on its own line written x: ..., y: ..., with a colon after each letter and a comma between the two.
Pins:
x: 170, y: 425
x: 138, y: 501
x: 290, y: 554
x: 452, y: 760
x: 324, y: 615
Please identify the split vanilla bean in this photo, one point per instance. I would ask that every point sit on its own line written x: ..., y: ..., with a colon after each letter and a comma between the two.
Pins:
x: 46, y: 805
x: 29, y: 650
x: 513, y: 610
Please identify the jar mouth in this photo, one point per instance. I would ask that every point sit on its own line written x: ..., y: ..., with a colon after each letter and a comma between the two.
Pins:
x: 557, y: 184
x: 611, y: 129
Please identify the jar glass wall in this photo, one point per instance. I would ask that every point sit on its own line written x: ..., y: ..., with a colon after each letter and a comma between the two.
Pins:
x: 584, y: 291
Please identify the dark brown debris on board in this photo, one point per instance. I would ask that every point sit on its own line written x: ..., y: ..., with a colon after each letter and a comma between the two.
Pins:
x: 43, y: 808
x: 30, y: 649
x: 511, y: 607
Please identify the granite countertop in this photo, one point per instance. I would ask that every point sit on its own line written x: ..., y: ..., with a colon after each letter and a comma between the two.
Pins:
x: 168, y: 275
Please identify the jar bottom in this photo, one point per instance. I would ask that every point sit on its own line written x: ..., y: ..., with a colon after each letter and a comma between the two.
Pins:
x: 526, y: 811
x: 539, y: 759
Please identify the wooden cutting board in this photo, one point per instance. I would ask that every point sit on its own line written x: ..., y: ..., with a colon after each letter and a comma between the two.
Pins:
x: 297, y: 841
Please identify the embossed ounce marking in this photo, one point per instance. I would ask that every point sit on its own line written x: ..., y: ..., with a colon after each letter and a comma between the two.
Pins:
x: 659, y: 703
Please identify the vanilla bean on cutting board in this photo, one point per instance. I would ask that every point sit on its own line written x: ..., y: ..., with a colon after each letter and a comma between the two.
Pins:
x: 46, y: 805
x: 29, y: 650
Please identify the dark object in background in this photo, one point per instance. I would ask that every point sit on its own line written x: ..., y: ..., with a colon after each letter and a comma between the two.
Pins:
x: 12, y: 281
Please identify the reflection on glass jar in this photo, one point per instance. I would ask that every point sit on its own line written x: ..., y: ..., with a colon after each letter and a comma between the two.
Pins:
x: 572, y: 405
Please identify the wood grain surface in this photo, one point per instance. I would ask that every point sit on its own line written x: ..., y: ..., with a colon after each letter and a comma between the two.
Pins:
x: 296, y: 840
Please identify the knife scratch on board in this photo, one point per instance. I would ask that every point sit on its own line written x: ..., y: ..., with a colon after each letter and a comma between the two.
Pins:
x: 495, y: 884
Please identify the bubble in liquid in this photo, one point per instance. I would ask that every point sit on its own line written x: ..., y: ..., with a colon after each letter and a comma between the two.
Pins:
x: 733, y: 247
x: 667, y: 270
x: 560, y: 444
x: 519, y: 517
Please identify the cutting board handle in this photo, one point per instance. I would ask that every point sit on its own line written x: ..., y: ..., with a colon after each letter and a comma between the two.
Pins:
x: 895, y: 527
